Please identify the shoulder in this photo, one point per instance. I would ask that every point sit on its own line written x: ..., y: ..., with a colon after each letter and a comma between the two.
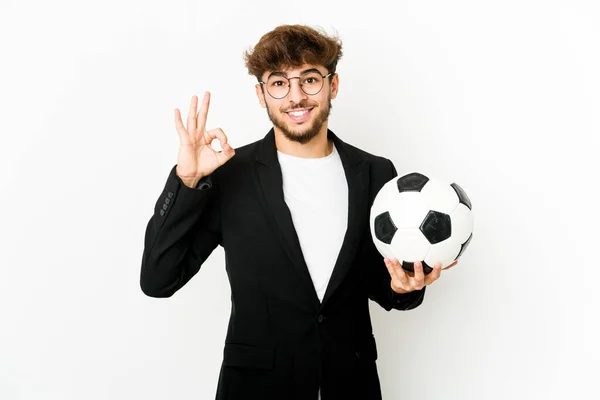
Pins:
x: 375, y: 160
x: 239, y: 167
x: 246, y: 151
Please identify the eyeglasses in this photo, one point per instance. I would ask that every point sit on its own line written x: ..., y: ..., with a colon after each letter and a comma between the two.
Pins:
x: 311, y: 83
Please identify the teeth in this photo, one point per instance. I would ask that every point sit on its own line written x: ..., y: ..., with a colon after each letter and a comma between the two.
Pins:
x: 298, y: 113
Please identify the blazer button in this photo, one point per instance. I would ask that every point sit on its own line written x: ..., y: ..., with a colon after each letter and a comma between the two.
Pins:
x: 162, y: 212
x: 167, y: 201
x: 164, y: 207
x: 320, y: 318
x: 170, y: 194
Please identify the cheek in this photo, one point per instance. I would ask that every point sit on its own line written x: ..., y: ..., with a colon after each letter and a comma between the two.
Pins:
x: 273, y: 107
x: 324, y: 97
x: 273, y: 111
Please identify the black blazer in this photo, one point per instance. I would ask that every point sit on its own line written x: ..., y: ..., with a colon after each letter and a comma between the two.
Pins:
x: 282, y: 342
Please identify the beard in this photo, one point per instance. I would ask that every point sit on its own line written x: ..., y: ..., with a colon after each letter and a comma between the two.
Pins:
x: 307, y: 131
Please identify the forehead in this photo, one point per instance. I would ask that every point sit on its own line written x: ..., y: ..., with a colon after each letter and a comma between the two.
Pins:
x: 287, y: 72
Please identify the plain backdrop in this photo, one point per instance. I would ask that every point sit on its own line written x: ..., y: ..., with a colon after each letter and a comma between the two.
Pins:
x: 500, y: 96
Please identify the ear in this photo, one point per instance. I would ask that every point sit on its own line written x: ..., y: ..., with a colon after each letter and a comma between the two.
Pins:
x: 260, y: 95
x: 335, y: 83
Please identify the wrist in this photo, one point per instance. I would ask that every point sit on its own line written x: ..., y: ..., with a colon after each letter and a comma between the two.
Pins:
x: 190, y: 182
x: 398, y: 290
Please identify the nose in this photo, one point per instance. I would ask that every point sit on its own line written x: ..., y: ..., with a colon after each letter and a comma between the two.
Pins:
x: 296, y: 95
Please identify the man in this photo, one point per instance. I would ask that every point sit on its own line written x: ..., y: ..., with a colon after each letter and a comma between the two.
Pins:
x: 291, y: 212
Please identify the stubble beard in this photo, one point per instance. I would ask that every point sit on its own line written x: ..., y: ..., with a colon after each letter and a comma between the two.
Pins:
x: 305, y: 133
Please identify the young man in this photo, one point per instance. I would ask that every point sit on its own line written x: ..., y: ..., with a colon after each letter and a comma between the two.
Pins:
x: 291, y: 212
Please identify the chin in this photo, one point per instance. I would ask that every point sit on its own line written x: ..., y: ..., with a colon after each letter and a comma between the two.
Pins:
x: 303, y: 135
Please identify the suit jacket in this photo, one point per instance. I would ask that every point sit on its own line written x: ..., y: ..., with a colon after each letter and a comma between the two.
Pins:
x: 282, y: 342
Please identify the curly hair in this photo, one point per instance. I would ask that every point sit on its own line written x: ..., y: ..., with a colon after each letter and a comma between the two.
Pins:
x: 290, y: 46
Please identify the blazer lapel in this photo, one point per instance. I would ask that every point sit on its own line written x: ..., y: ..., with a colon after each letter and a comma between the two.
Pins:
x: 356, y: 168
x: 270, y: 183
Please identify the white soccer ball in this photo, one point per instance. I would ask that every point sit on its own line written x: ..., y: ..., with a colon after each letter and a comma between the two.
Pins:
x: 417, y: 218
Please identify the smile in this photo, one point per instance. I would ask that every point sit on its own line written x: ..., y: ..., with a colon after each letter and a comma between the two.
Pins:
x: 299, y: 115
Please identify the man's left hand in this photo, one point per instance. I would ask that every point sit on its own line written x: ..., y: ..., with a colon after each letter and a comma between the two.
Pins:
x: 404, y: 281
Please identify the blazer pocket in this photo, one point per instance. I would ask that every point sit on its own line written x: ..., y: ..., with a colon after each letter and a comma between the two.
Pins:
x: 248, y: 356
x: 368, y: 350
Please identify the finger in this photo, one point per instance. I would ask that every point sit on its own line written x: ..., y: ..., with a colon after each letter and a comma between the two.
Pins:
x: 191, y: 119
x: 397, y: 273
x: 181, y: 132
x: 405, y: 274
x: 203, y: 113
x: 217, y: 133
x: 227, y: 151
x: 419, y: 278
x: 433, y: 275
x: 226, y: 154
x: 394, y: 278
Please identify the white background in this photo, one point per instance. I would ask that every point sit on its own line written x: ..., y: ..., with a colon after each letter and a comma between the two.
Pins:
x: 499, y: 96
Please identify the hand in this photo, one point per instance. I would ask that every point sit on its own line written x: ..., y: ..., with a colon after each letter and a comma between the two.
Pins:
x: 405, y: 282
x: 196, y: 158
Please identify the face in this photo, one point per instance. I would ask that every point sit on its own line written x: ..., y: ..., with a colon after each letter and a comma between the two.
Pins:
x: 298, y: 116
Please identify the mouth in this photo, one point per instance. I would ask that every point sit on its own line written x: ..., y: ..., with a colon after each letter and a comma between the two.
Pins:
x: 299, y: 114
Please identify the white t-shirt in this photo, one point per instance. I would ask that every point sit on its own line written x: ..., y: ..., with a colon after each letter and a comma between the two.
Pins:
x: 316, y: 192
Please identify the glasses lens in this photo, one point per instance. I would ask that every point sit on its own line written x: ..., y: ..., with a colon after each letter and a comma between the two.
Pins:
x: 312, y: 83
x: 278, y: 86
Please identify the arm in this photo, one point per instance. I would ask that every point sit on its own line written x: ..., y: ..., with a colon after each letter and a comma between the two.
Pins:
x: 380, y: 288
x: 180, y: 236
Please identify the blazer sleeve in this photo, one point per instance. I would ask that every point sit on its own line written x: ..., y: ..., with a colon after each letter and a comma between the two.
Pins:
x: 380, y: 289
x: 180, y: 236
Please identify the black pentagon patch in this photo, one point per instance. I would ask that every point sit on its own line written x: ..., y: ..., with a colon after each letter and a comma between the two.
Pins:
x: 384, y: 227
x: 436, y: 227
x: 464, y: 246
x: 412, y: 182
x: 462, y: 196
x: 410, y: 267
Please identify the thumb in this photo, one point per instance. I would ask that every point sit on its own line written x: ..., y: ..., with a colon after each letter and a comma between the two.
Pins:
x: 227, y: 153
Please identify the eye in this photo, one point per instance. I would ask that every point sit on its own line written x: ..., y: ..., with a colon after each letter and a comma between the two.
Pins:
x: 277, y: 82
x: 311, y: 79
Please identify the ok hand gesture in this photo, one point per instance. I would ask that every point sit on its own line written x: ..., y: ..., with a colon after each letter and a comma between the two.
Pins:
x: 196, y: 158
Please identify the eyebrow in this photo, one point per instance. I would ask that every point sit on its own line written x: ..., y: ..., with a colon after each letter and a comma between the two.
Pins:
x: 279, y: 73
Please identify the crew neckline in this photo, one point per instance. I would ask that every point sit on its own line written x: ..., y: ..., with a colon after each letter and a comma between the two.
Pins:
x: 327, y: 157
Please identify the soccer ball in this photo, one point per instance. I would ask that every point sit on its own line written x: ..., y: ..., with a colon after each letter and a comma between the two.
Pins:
x: 417, y: 218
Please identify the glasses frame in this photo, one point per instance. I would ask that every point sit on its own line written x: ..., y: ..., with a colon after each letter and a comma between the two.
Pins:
x: 301, y: 88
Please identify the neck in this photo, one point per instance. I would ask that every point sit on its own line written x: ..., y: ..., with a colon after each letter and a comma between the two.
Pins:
x: 317, y: 147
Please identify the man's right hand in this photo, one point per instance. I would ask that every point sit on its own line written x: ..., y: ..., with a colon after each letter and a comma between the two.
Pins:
x: 196, y: 158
